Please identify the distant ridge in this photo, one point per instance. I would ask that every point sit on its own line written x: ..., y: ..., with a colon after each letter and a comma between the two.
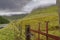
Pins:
x: 15, y: 16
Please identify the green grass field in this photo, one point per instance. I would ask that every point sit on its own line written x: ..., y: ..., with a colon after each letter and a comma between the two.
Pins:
x: 50, y: 14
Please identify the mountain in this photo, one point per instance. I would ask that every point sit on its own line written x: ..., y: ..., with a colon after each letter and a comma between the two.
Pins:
x: 46, y: 9
x: 15, y: 16
x: 3, y: 20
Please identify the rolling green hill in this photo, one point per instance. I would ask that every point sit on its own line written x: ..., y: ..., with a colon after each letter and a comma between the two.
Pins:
x: 39, y: 15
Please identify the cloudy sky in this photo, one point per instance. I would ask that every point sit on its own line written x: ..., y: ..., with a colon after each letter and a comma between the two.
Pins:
x: 8, y: 7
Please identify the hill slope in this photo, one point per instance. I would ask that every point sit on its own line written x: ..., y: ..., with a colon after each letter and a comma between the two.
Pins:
x: 46, y: 10
x: 41, y: 15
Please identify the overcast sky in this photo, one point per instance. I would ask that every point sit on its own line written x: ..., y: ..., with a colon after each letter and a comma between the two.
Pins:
x: 8, y: 7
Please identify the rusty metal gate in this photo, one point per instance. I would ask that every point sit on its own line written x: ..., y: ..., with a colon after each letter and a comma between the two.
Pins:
x: 29, y: 30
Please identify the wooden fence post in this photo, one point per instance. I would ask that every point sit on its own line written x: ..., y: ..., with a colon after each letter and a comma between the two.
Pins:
x: 39, y: 31
x: 47, y: 30
x: 28, y: 37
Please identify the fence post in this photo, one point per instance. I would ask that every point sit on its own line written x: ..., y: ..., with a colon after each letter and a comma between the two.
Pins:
x: 47, y: 30
x: 39, y: 31
x: 28, y: 37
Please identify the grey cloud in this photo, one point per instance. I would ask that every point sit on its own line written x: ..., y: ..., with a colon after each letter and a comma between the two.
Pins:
x: 12, y: 5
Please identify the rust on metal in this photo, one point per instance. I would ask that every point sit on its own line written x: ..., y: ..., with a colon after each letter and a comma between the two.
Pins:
x: 49, y: 35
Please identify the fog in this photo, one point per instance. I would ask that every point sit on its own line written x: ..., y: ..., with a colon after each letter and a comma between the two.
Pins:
x: 9, y: 7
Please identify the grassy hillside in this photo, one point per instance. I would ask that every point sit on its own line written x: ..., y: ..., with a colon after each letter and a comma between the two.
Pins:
x: 41, y: 15
x: 12, y: 32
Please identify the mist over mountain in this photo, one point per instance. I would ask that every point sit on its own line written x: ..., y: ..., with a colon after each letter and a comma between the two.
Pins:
x: 38, y: 3
x: 8, y: 7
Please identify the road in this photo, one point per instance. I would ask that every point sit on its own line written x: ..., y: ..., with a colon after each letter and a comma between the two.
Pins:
x: 3, y: 25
